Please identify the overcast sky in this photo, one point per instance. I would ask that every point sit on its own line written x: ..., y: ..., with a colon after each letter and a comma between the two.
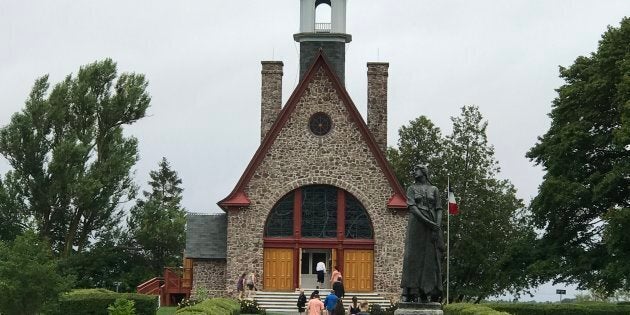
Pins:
x: 202, y: 60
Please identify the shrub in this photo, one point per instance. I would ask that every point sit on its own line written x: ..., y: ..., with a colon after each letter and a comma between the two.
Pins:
x: 90, y: 302
x: 470, y: 309
x: 122, y: 307
x: 251, y: 307
x: 216, y: 306
x: 186, y: 303
x: 561, y: 309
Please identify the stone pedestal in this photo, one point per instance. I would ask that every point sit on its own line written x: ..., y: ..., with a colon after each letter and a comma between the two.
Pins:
x: 419, y: 309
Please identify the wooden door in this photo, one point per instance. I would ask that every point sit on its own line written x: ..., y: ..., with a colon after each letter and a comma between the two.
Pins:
x: 358, y: 270
x: 187, y: 274
x: 278, y: 269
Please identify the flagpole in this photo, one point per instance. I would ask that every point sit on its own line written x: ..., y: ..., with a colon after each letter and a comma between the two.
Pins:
x: 448, y: 236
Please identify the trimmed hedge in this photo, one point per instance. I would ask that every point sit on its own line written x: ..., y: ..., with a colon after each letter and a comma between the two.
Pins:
x: 96, y: 301
x: 561, y: 309
x: 215, y: 306
x: 470, y: 309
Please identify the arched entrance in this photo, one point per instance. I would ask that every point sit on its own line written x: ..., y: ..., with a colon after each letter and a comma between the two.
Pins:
x: 318, y: 223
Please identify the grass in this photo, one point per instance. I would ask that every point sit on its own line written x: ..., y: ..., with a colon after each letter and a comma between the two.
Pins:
x: 166, y: 310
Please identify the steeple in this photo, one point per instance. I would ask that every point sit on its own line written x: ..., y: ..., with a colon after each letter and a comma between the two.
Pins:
x: 330, y: 36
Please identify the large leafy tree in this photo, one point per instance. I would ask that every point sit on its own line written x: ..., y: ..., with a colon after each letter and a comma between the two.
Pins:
x: 70, y: 160
x: 157, y: 222
x: 489, y: 252
x: 30, y: 280
x: 582, y: 203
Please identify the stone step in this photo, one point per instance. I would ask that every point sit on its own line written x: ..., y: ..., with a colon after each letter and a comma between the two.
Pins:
x: 285, y: 302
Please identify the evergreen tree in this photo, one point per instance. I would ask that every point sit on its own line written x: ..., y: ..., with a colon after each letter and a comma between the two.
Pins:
x: 157, y: 223
x: 70, y: 160
x: 582, y: 204
x: 489, y: 238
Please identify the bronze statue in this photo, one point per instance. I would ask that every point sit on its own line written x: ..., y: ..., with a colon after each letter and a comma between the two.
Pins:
x: 422, y: 274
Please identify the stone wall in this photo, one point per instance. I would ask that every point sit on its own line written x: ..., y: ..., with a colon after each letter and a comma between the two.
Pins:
x: 270, y: 95
x: 377, y: 102
x: 340, y: 158
x: 210, y: 274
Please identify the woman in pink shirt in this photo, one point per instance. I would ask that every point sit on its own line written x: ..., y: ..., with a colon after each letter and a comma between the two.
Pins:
x: 315, y: 306
x: 335, y: 274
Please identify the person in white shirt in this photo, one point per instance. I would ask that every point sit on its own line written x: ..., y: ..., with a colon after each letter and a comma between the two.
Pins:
x: 321, y: 270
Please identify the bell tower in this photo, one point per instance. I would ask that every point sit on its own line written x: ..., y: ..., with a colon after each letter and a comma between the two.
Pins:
x: 330, y: 36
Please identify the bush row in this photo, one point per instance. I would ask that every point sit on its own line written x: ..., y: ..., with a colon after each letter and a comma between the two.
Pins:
x: 470, y: 309
x: 96, y: 301
x: 216, y: 306
x: 561, y: 309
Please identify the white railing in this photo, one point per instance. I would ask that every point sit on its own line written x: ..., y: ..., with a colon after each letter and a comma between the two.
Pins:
x: 322, y: 27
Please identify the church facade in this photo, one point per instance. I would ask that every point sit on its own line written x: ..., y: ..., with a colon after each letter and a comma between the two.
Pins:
x: 317, y: 189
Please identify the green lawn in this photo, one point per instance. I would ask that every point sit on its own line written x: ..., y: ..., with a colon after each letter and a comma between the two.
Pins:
x: 166, y: 310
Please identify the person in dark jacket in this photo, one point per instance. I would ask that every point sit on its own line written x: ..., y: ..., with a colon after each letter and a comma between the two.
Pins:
x: 338, y: 288
x: 301, y: 303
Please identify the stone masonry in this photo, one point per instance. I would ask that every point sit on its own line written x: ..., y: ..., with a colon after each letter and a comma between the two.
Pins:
x: 271, y: 95
x: 377, y: 102
x: 210, y: 275
x: 297, y: 158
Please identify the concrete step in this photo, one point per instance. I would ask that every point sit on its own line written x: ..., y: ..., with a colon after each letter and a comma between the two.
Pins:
x: 285, y: 302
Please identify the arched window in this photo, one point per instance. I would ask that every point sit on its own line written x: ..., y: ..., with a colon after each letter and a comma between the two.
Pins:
x: 319, y: 211
x: 280, y: 220
x: 323, y: 16
x: 319, y: 207
x: 358, y: 224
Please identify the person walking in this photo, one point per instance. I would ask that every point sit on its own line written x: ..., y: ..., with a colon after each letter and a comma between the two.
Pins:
x: 315, y: 306
x: 330, y: 302
x: 321, y: 270
x: 364, y: 308
x: 339, y: 309
x: 335, y: 274
x: 340, y: 292
x: 301, y: 302
x: 240, y: 286
x: 353, y: 309
x: 250, y: 282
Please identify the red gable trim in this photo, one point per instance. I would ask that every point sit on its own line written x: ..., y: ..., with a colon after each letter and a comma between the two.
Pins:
x: 238, y: 197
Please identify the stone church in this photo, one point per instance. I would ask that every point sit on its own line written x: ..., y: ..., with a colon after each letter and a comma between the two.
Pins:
x: 319, y: 187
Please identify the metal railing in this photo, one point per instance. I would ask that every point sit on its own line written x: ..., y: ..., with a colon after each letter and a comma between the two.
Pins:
x: 322, y: 27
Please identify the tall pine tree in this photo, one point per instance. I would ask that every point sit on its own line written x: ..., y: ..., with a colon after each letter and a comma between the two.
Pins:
x: 157, y: 222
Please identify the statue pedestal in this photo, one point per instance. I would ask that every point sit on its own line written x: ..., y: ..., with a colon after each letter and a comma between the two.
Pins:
x: 419, y: 309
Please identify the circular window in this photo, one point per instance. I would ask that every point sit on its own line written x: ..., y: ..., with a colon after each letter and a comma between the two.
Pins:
x: 320, y: 123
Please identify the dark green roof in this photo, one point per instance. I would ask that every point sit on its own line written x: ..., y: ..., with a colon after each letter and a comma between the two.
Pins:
x: 206, y: 235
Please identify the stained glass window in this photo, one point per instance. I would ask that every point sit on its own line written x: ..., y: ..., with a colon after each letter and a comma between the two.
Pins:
x: 319, y: 211
x: 357, y: 221
x: 280, y: 221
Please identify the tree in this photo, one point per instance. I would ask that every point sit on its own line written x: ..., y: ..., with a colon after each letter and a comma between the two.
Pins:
x: 30, y: 279
x: 157, y: 223
x: 113, y: 262
x: 419, y: 143
x: 70, y: 160
x: 585, y: 193
x: 13, y: 221
x: 489, y: 238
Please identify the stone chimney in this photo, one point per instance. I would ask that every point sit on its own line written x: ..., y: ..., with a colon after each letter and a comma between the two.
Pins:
x: 271, y: 95
x: 377, y: 102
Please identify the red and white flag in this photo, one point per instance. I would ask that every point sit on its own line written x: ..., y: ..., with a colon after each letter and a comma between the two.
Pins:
x: 452, y: 203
